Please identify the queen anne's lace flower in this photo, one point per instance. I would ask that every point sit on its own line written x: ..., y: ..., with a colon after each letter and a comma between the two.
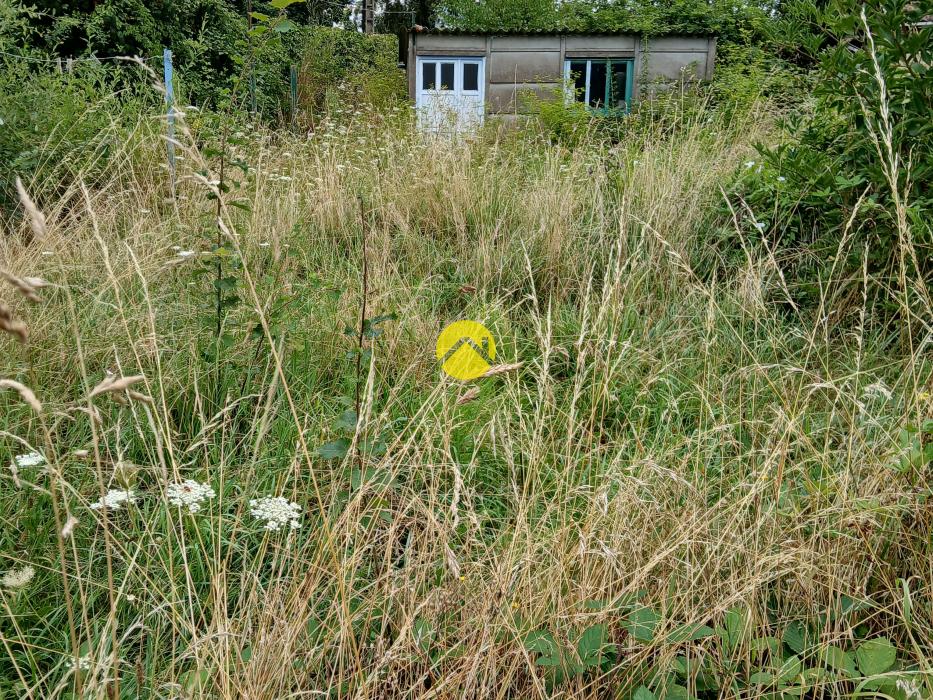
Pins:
x: 115, y: 499
x: 30, y: 459
x: 189, y: 494
x: 84, y: 663
x: 910, y: 688
x: 276, y: 511
x: 17, y: 578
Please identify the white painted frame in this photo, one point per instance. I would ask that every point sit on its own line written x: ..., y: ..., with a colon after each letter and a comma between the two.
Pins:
x: 459, y: 62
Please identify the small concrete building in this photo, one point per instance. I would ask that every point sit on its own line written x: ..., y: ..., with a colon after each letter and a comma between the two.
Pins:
x: 460, y: 78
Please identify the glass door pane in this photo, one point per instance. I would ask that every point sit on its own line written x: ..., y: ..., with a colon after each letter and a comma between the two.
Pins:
x: 447, y: 76
x: 578, y: 75
x: 598, y: 84
x: 470, y: 77
x: 429, y: 76
x: 619, y: 85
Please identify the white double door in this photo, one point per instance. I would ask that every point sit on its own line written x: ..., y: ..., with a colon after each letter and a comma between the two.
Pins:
x: 450, y: 93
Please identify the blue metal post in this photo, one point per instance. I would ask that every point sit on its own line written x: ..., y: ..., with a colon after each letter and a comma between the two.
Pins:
x: 170, y: 103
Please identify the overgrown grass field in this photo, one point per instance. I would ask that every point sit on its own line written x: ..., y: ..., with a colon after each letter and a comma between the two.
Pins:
x: 677, y: 484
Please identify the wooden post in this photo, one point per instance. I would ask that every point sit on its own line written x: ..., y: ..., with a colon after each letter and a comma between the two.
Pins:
x: 170, y: 104
x: 369, y: 13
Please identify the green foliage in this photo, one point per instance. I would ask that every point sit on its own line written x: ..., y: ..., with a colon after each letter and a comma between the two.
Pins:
x: 738, y: 657
x: 57, y: 125
x: 837, y: 173
x: 352, y: 67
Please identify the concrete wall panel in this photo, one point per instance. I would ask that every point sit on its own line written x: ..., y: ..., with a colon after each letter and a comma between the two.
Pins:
x: 452, y: 44
x: 525, y: 66
x: 502, y: 98
x: 669, y: 64
x: 679, y: 43
x: 575, y: 44
x: 545, y: 42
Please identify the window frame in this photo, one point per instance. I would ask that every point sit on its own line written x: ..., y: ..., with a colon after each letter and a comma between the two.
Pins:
x: 479, y: 76
x: 610, y: 62
x: 459, y: 63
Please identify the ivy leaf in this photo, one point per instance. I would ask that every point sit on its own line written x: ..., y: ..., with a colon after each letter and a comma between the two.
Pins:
x: 542, y: 642
x: 840, y: 661
x: 789, y: 669
x: 195, y: 681
x: 875, y: 656
x: 689, y: 633
x: 592, y: 647
x: 347, y: 420
x: 737, y: 624
x: 795, y: 637
x: 641, y: 623
x: 286, y: 25
x: 642, y: 693
x: 423, y: 633
x: 336, y: 449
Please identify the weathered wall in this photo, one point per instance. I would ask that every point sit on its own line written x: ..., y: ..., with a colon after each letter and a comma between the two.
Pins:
x: 519, y: 64
x: 667, y: 56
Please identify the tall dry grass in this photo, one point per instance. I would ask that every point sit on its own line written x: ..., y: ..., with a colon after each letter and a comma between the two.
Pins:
x: 674, y: 433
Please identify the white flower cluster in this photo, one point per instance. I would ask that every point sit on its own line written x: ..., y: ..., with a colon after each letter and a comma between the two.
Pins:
x: 189, y: 494
x: 84, y: 663
x: 115, y: 499
x: 910, y: 688
x: 17, y: 578
x: 31, y: 459
x: 276, y: 511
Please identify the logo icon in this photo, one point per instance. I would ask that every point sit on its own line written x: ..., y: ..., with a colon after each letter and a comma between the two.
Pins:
x: 466, y: 350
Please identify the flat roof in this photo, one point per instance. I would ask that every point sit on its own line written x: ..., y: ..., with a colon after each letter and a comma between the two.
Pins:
x: 451, y: 31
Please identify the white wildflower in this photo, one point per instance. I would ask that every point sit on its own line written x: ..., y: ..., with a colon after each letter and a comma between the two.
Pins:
x: 760, y: 225
x: 18, y: 578
x: 84, y: 663
x: 877, y: 390
x: 781, y: 178
x: 30, y: 459
x: 276, y: 511
x: 69, y: 527
x: 115, y: 499
x: 749, y: 164
x: 185, y: 253
x: 910, y: 688
x: 189, y: 494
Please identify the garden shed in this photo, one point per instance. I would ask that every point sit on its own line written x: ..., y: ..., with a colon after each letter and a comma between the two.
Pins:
x: 463, y: 77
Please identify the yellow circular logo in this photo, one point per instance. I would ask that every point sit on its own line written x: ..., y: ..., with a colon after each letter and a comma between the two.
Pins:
x: 466, y: 350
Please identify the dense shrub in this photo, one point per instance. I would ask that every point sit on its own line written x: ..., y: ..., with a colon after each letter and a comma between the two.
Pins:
x: 836, y: 175
x: 360, y: 68
x: 55, y: 125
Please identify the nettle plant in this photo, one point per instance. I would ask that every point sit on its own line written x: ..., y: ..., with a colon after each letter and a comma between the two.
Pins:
x: 226, y: 137
x: 363, y: 335
x: 732, y: 658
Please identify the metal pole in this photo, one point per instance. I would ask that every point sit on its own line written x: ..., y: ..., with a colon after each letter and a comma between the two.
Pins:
x: 293, y: 90
x: 170, y: 103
